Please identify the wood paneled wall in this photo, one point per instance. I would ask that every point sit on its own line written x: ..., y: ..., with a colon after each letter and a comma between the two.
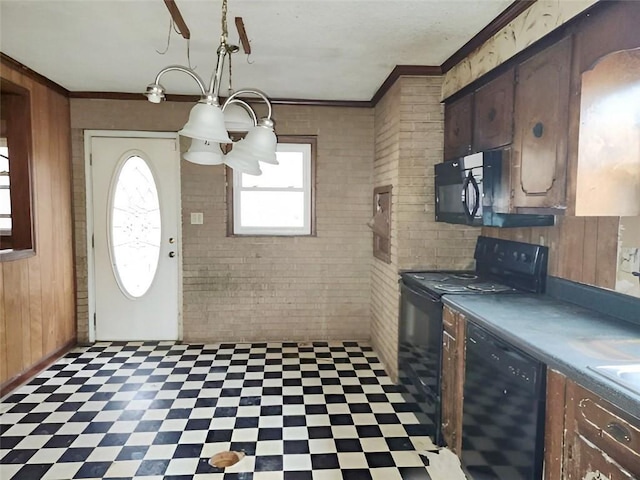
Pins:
x: 37, y: 315
x: 582, y: 249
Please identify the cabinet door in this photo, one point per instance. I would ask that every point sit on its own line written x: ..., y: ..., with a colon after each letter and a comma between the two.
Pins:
x: 493, y: 116
x: 452, y: 378
x: 541, y: 128
x: 585, y: 461
x: 448, y: 381
x: 457, y: 128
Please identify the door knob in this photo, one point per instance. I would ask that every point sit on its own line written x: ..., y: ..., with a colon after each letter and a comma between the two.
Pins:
x: 172, y: 254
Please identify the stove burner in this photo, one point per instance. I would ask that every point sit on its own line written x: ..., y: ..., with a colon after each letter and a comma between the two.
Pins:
x: 449, y: 287
x: 465, y: 276
x: 431, y: 277
x: 489, y: 287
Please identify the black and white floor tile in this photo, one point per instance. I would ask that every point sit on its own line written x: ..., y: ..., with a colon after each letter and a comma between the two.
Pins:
x: 161, y: 410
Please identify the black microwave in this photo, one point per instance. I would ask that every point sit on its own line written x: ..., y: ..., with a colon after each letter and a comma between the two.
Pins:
x: 472, y: 190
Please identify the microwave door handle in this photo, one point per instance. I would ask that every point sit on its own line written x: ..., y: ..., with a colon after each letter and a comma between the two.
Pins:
x: 470, y: 212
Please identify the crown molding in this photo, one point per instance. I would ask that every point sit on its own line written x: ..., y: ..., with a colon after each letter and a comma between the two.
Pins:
x: 404, y: 70
x: 6, y: 60
x: 497, y: 24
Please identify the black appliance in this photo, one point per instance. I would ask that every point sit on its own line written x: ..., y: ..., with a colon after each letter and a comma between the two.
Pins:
x: 503, y: 410
x: 459, y: 190
x: 475, y: 190
x: 502, y: 267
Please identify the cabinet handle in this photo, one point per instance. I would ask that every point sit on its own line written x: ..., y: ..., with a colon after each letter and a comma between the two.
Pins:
x: 538, y: 130
x: 492, y: 114
x: 619, y: 432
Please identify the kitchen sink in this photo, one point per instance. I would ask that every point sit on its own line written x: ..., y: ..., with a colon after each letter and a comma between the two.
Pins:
x: 626, y: 375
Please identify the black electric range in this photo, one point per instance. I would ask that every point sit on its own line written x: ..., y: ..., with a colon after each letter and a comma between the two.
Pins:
x: 501, y: 267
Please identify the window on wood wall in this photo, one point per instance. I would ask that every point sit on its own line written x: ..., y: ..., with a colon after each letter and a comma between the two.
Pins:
x: 281, y: 200
x: 5, y: 190
x: 16, y: 226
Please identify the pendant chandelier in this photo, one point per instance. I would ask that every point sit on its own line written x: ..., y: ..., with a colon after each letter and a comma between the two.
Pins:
x: 209, y: 124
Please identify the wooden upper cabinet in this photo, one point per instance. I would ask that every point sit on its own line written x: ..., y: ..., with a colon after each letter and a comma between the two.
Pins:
x: 457, y: 127
x: 607, y: 80
x: 493, y: 113
x: 541, y: 128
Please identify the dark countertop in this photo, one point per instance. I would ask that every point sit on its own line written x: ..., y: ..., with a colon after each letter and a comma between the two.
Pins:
x: 566, y: 337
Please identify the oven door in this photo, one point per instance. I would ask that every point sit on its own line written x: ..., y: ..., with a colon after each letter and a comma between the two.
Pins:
x: 458, y: 193
x: 419, y: 355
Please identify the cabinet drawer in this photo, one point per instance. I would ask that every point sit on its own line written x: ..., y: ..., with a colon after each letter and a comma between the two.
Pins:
x: 616, y: 433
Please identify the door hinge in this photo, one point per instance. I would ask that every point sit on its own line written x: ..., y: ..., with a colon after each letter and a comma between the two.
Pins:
x: 94, y: 322
x: 91, y: 159
x: 93, y: 241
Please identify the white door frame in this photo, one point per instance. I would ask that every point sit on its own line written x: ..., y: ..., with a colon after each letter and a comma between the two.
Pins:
x: 91, y: 282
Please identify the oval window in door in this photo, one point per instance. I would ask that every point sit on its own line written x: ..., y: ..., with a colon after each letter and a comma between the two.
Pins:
x: 135, y: 226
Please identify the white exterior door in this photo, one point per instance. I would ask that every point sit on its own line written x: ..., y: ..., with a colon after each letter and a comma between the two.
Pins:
x: 136, y: 204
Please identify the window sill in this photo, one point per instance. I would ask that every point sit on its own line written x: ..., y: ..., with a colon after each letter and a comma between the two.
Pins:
x: 278, y: 235
x: 10, y: 255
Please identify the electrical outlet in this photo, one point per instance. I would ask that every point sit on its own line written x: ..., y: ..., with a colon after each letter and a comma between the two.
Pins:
x: 630, y: 259
x: 197, y: 218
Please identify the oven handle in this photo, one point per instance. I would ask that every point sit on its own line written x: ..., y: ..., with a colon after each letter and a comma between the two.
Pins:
x: 470, y: 213
x: 421, y: 294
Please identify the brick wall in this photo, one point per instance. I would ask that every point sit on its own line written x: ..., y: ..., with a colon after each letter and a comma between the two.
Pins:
x: 298, y: 288
x: 260, y: 288
x: 409, y: 141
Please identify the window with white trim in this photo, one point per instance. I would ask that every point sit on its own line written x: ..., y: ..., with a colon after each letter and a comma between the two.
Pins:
x: 5, y: 189
x: 278, y: 202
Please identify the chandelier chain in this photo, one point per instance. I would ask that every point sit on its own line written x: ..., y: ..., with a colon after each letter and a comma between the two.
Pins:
x: 225, y: 33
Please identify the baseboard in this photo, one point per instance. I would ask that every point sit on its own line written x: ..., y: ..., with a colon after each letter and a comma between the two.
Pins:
x: 13, y: 383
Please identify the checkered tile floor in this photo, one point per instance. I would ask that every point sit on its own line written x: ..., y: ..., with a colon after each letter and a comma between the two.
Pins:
x: 161, y: 410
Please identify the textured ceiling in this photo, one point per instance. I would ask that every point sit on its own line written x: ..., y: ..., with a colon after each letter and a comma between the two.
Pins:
x: 305, y: 49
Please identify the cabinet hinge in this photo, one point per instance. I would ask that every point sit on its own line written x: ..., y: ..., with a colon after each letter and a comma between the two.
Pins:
x: 94, y: 322
x: 517, y: 77
x: 91, y: 159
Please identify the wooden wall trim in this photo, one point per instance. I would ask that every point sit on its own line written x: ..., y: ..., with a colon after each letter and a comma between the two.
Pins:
x: 18, y: 380
x: 131, y: 96
x: 6, y: 60
x: 497, y: 24
x: 195, y: 98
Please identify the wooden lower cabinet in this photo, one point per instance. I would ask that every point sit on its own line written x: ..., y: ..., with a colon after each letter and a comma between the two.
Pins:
x: 586, y: 437
x: 453, y: 341
x: 602, y: 442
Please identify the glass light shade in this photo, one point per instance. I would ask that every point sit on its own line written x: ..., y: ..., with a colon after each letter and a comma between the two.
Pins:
x: 236, y: 118
x: 204, y: 153
x: 242, y: 164
x: 154, y: 98
x: 261, y: 143
x: 206, y: 122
